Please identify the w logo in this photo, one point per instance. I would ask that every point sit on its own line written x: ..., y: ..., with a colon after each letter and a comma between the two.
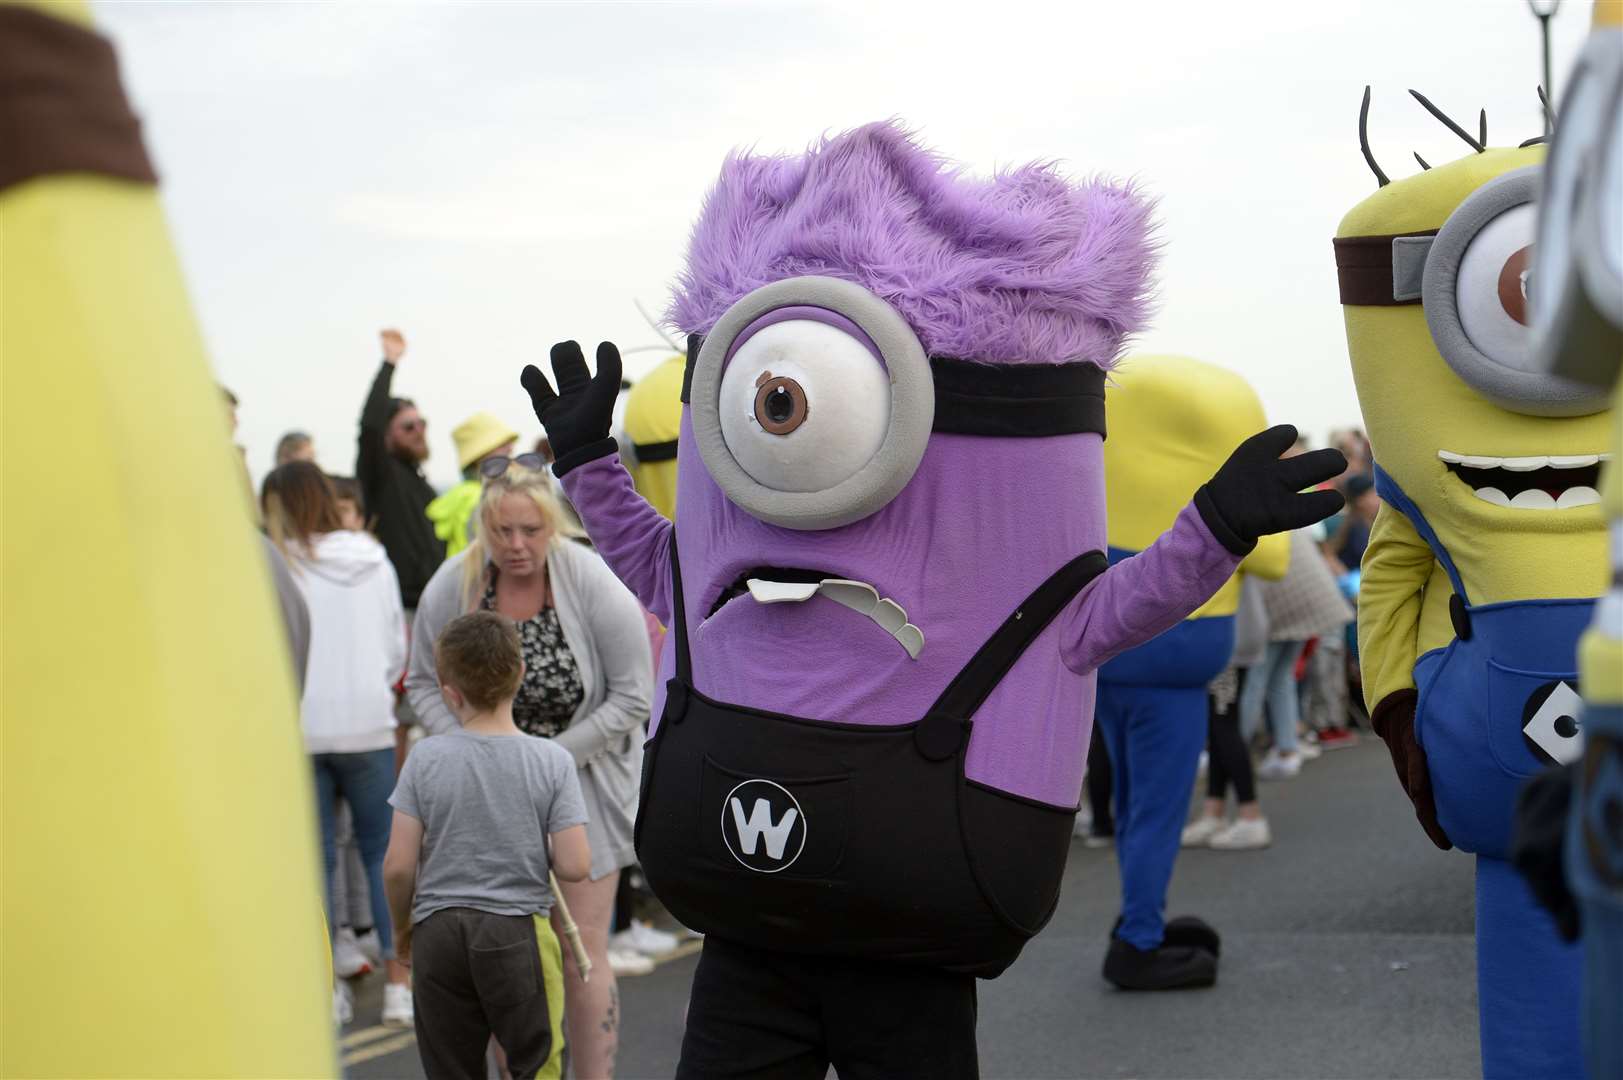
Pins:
x: 763, y: 826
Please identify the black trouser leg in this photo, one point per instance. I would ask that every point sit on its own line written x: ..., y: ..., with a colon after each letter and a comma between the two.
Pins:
x: 1099, y: 785
x: 754, y: 1014
x: 886, y: 1022
x: 451, y: 1028
x: 1228, y: 759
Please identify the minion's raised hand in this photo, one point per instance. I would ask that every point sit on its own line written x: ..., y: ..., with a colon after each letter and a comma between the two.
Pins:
x: 578, y: 414
x: 1258, y: 492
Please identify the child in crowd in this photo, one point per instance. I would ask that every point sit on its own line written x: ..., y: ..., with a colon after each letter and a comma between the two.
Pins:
x: 467, y: 865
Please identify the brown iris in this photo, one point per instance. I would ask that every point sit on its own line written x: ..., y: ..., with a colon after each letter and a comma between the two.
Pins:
x: 780, y: 404
x: 1512, y: 284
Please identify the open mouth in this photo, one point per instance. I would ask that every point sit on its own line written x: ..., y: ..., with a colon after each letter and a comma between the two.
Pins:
x: 787, y: 585
x: 1530, y: 483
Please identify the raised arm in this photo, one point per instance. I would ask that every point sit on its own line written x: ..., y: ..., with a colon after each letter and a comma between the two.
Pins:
x: 1255, y: 494
x: 1145, y: 594
x: 633, y: 538
x: 372, y: 452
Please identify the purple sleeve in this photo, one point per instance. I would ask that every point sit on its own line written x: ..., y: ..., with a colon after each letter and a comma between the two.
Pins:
x: 1145, y: 594
x: 633, y: 537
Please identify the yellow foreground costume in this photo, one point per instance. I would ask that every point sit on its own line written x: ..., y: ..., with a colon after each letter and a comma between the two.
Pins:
x: 160, y: 889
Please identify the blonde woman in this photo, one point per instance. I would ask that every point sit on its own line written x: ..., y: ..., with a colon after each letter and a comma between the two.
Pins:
x: 587, y: 684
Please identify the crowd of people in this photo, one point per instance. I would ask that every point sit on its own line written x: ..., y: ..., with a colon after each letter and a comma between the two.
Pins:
x: 1292, y: 689
x: 482, y: 613
x: 390, y: 590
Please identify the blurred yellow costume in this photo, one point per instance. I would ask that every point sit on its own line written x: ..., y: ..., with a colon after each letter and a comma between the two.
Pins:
x: 160, y: 877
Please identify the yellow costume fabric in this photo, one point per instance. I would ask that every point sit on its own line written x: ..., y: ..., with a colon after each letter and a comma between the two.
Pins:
x: 1172, y: 422
x: 161, y: 879
x: 653, y: 417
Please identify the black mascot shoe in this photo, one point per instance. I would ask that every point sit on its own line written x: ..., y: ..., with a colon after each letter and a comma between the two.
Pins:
x: 1186, y: 930
x: 1194, y: 932
x: 1171, y: 967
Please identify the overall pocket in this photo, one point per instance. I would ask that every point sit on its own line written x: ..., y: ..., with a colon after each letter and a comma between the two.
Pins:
x: 1531, y: 709
x: 768, y: 824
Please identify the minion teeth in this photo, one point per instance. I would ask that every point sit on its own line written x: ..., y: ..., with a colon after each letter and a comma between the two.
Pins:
x: 1529, y: 483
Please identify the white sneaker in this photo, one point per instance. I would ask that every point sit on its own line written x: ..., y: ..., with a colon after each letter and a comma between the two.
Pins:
x: 1243, y: 835
x: 1202, y: 829
x: 640, y: 937
x: 371, y: 947
x: 629, y: 962
x: 1083, y: 823
x: 1307, y: 751
x: 1277, y: 767
x: 343, y: 1004
x: 397, y: 1007
x: 348, y: 960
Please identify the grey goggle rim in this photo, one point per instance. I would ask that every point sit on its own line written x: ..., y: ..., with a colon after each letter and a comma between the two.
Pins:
x: 1439, y: 259
x: 912, y: 408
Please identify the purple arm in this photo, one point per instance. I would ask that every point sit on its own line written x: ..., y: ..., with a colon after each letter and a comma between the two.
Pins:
x: 633, y: 538
x: 1146, y: 594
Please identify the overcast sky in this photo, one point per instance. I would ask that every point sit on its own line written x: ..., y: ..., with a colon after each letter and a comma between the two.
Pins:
x: 491, y: 178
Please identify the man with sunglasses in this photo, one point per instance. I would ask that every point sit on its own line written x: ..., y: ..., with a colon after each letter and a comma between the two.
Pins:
x: 388, y: 463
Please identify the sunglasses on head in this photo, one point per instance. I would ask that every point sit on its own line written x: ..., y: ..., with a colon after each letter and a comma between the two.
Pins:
x: 492, y: 467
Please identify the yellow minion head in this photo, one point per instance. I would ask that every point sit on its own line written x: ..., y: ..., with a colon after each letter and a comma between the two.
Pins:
x: 1173, y: 421
x: 653, y: 420
x: 1500, y: 458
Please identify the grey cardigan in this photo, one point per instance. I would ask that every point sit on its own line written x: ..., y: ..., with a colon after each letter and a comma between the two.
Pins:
x: 604, y: 629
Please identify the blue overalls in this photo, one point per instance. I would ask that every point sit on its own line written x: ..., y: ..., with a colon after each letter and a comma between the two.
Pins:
x: 1478, y: 698
x: 1151, y: 711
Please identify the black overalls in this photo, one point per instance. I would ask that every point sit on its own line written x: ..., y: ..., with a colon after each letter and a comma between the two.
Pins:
x: 853, y: 840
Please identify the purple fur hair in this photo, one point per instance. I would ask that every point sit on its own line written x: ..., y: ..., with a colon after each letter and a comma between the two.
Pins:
x: 1025, y: 268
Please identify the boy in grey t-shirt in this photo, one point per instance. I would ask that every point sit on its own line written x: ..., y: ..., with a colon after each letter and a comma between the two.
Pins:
x: 466, y: 869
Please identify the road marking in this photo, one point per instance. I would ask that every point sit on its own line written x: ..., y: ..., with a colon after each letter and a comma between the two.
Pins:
x: 381, y: 1048
x: 366, y: 1035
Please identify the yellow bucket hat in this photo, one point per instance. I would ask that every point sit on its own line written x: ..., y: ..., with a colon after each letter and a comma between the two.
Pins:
x: 478, y: 435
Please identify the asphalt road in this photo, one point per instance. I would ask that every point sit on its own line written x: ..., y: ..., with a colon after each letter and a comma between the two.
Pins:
x: 1347, y: 952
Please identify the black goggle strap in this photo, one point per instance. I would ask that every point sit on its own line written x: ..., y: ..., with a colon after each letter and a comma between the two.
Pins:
x: 1382, y: 271
x: 1004, y: 401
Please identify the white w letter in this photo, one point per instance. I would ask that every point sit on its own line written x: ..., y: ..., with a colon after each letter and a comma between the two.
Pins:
x: 759, y: 824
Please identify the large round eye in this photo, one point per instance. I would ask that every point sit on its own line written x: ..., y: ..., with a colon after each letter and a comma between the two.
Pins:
x: 804, y: 405
x: 812, y: 402
x: 1475, y: 291
x: 1491, y: 289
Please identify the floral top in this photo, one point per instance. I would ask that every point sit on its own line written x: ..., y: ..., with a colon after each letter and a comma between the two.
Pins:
x: 551, y: 690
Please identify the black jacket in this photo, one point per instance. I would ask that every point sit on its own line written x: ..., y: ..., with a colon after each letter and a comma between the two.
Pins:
x: 397, y: 497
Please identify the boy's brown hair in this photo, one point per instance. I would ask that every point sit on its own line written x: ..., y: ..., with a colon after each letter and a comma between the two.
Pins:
x: 480, y: 655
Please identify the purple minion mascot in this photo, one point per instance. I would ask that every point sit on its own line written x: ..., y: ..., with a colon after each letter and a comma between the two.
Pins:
x: 886, y: 585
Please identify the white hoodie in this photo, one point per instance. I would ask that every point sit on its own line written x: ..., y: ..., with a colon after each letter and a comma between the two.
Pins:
x: 357, y: 644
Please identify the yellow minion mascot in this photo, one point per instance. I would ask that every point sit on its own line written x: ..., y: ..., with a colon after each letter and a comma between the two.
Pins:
x: 1489, y: 551
x: 160, y: 888
x: 1172, y: 421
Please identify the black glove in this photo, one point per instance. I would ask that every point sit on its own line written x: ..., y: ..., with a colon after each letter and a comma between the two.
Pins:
x: 1537, y: 842
x: 578, y: 416
x: 1257, y: 492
